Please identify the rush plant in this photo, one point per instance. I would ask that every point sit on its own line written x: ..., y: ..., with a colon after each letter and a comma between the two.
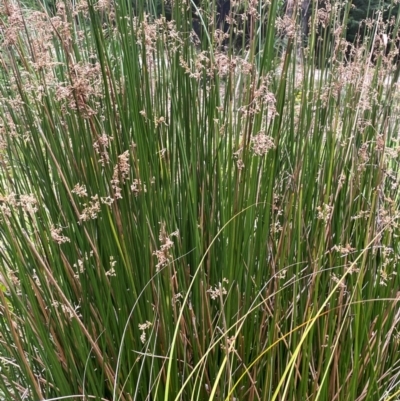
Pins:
x: 186, y: 219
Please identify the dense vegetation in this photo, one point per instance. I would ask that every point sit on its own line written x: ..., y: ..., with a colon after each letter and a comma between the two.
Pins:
x: 183, y: 218
x: 362, y: 11
x: 359, y: 12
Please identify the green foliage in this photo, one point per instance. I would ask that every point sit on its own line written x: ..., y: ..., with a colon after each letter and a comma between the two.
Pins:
x: 362, y: 10
x: 181, y: 221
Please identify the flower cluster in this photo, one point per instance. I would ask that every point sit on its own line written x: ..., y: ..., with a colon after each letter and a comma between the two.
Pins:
x: 121, y: 174
x: 163, y: 254
x: 57, y: 236
x: 262, y: 143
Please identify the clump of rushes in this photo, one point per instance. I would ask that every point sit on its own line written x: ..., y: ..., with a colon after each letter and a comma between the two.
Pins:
x: 183, y: 219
